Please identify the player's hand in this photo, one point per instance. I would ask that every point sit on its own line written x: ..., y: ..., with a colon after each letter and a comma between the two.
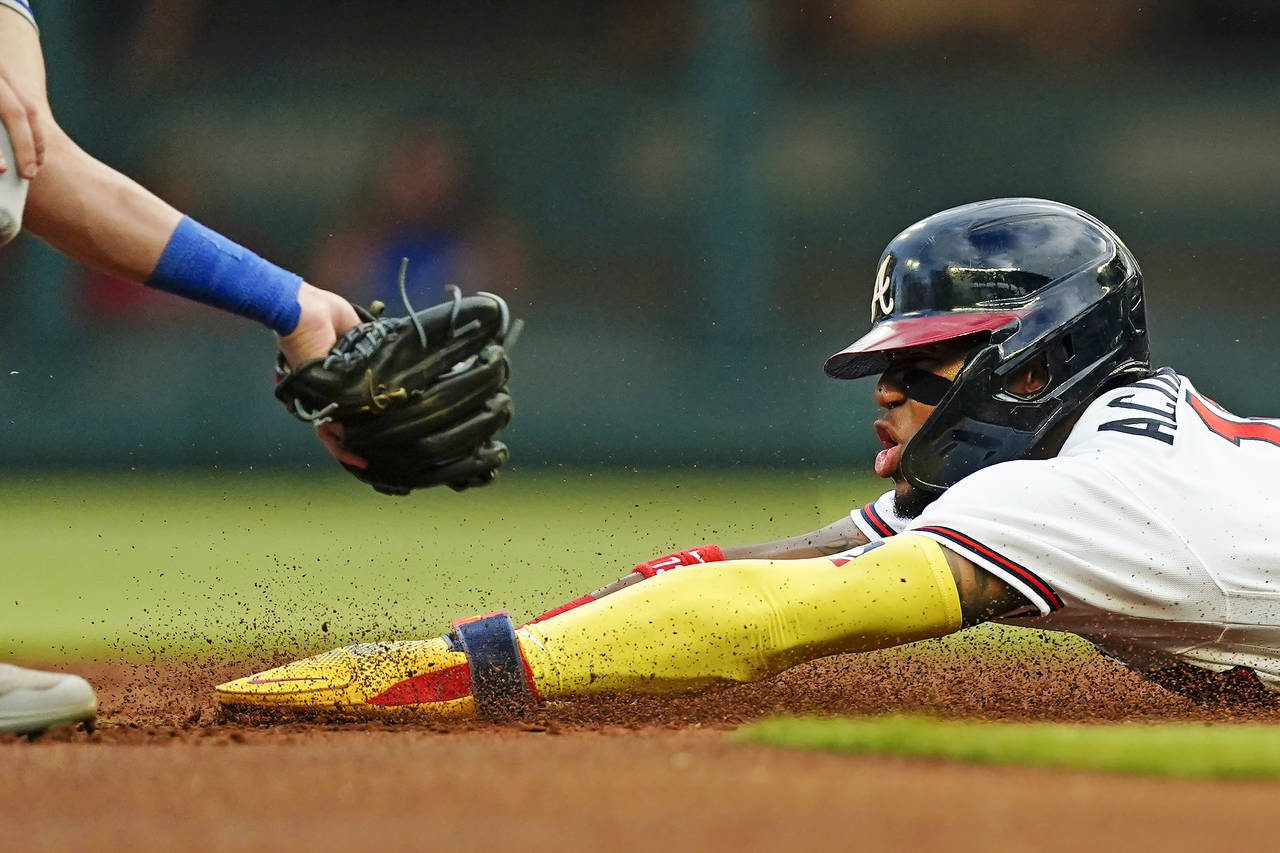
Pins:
x: 21, y: 119
x: 330, y: 436
x: 324, y: 316
x: 688, y: 557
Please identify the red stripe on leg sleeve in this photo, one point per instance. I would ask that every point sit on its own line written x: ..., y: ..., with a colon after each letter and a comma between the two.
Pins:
x: 563, y: 608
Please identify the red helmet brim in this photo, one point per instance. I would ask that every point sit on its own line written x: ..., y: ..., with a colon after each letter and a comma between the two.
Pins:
x: 869, y: 354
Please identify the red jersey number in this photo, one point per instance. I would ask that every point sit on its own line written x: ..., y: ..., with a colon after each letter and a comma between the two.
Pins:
x: 1231, y: 427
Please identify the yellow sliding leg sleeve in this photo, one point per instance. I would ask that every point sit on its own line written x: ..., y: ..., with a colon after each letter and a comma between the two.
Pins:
x: 744, y: 620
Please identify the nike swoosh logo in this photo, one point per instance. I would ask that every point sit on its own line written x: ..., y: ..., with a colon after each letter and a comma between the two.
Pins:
x: 257, y: 680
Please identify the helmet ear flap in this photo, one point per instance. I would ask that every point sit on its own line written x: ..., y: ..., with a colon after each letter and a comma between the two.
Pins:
x: 1136, y: 312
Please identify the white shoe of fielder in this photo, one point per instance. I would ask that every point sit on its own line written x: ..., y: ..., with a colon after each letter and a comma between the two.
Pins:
x: 32, y: 701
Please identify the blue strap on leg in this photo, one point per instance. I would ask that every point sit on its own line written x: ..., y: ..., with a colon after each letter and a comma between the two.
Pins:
x: 498, y: 679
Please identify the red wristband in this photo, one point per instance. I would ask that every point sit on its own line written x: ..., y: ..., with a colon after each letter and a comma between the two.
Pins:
x: 689, y: 557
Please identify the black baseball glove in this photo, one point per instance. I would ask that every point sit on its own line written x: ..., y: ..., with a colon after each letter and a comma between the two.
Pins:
x: 419, y: 398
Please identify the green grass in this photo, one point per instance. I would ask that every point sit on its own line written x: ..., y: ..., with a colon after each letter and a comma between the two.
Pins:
x: 140, y: 565
x: 1185, y: 750
x: 144, y: 564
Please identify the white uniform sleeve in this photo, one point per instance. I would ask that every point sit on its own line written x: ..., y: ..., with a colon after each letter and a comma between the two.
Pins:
x: 877, y: 520
x: 1068, y: 532
x: 22, y: 7
x: 13, y: 192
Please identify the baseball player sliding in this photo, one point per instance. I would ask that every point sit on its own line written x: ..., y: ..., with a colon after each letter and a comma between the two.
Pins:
x: 1043, y: 474
x: 402, y: 403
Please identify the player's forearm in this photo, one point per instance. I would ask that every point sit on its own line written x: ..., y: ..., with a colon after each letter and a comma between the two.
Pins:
x: 834, y: 538
x: 838, y: 536
x: 106, y: 220
x: 98, y: 216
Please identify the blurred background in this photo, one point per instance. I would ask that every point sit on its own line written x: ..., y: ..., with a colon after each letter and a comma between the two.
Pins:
x: 685, y: 200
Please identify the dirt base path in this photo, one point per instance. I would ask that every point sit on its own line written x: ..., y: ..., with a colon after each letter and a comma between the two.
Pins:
x: 162, y: 772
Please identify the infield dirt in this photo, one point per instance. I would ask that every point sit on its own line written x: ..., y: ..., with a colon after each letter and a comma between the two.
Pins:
x: 164, y: 772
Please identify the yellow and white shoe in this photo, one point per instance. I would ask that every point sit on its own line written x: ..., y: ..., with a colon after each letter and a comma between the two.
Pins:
x: 426, y: 677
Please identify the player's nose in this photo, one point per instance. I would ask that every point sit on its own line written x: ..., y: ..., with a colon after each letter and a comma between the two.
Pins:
x: 888, y: 393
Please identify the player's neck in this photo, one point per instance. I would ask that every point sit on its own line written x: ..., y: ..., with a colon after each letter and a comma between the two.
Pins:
x: 1051, y: 445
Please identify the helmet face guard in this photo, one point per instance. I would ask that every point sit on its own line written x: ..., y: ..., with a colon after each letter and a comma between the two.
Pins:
x: 1046, y: 284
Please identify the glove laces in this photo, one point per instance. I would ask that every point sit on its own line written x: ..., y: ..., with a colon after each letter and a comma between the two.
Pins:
x: 507, y: 334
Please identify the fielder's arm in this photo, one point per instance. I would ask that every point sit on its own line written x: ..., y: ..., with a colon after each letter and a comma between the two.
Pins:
x: 20, y: 118
x: 107, y: 221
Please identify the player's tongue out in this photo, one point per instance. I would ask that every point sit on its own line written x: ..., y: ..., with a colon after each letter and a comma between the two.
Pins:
x: 887, y: 461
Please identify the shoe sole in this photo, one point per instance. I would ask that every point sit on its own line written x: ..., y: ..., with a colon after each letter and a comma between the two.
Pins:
x: 38, y: 722
x: 242, y: 708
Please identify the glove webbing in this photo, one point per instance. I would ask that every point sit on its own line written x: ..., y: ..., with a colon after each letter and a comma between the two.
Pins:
x: 365, y: 340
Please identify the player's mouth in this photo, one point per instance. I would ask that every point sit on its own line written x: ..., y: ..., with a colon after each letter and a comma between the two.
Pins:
x: 887, y: 460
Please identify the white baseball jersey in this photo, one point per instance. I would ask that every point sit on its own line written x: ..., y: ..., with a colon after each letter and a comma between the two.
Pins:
x: 878, y: 519
x: 1154, y: 533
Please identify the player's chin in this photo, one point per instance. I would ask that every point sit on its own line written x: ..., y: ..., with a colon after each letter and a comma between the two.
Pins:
x: 908, y: 501
x: 902, y: 490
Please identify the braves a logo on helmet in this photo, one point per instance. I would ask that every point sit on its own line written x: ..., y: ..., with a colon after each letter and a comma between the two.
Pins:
x: 881, y: 298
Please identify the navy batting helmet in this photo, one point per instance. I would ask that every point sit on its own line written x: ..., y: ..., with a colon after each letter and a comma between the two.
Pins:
x: 1036, y: 282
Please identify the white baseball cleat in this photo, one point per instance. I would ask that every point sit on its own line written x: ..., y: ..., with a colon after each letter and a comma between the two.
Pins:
x: 32, y: 701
